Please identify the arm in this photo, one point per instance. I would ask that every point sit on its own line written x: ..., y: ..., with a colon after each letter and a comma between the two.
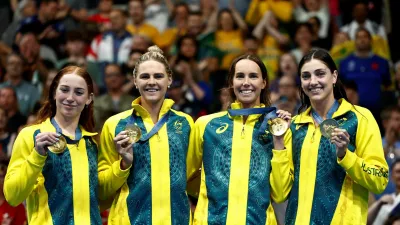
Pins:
x: 111, y: 177
x: 237, y: 17
x: 367, y: 165
x: 282, y: 9
x: 259, y: 31
x: 25, y: 167
x: 281, y: 177
x: 212, y: 22
x: 273, y: 31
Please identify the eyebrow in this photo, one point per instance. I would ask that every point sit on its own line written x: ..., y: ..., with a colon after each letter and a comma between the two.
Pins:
x: 317, y: 70
x: 66, y: 86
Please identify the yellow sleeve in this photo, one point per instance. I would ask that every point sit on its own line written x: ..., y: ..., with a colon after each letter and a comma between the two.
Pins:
x: 24, y: 169
x: 367, y: 165
x: 253, y: 15
x: 111, y: 177
x: 195, y: 152
x: 283, y: 10
x: 281, y: 178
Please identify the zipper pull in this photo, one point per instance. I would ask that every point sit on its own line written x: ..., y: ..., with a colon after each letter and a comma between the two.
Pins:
x: 312, y: 137
x: 243, y: 131
x: 158, y: 136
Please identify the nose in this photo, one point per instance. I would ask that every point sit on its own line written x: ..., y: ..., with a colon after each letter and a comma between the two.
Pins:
x: 313, y: 80
x: 152, y: 81
x: 246, y: 81
x: 70, y: 97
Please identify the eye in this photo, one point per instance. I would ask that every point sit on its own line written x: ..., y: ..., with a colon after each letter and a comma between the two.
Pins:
x: 305, y: 76
x: 253, y: 75
x: 320, y: 73
x: 239, y: 76
x: 144, y: 76
x: 158, y: 75
x: 64, y: 90
x: 79, y: 93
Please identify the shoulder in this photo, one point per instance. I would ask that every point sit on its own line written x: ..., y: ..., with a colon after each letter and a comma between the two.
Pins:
x: 115, y: 119
x: 183, y: 115
x: 204, y: 120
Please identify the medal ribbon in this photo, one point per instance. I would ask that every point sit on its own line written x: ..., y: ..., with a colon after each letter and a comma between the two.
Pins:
x: 270, y: 114
x: 332, y: 110
x: 78, y: 132
x: 154, y: 130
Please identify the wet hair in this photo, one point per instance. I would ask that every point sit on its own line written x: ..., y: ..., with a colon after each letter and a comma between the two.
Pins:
x: 264, y: 95
x: 325, y: 58
x: 49, y: 108
x: 156, y: 54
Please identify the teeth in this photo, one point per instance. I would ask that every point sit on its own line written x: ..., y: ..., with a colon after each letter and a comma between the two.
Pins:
x: 151, y: 90
x: 315, y: 89
x: 246, y: 91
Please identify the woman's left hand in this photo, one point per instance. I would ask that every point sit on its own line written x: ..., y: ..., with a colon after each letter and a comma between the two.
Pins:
x: 285, y: 115
x: 341, y: 139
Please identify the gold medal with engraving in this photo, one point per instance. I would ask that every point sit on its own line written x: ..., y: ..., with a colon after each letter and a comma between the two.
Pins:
x: 327, y: 127
x: 277, y: 126
x: 134, y: 133
x: 59, y: 146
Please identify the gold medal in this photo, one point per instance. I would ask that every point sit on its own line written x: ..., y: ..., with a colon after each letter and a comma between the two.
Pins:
x: 59, y: 146
x: 277, y: 126
x: 327, y: 127
x: 134, y: 133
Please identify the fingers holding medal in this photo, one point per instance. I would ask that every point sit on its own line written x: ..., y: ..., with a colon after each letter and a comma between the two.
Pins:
x: 50, y: 141
x: 279, y: 125
x: 124, y: 143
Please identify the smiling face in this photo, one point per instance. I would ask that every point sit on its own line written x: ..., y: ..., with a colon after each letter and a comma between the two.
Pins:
x: 317, y: 81
x: 248, y: 83
x: 71, y: 96
x: 152, y: 81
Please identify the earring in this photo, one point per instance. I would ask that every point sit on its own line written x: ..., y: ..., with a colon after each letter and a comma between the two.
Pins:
x: 169, y: 86
x: 136, y: 86
x: 86, y: 106
x: 333, y: 84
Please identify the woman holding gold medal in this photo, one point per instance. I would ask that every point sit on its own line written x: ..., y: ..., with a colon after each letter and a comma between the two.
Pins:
x: 142, y: 160
x: 241, y: 152
x: 336, y: 151
x: 54, y: 162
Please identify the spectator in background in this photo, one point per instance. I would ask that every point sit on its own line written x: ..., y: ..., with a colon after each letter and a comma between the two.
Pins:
x: 230, y: 28
x: 156, y: 14
x: 178, y: 94
x: 46, y: 87
x: 113, y: 46
x: 379, y: 212
x: 313, y: 8
x: 303, y: 38
x: 9, y: 215
x: 26, y: 8
x: 289, y: 99
x: 114, y: 101
x: 324, y: 43
x: 368, y: 70
x: 76, y: 12
x: 360, y: 19
x: 28, y: 94
x: 75, y: 48
x: 287, y: 67
x: 351, y: 91
x: 178, y: 26
x: 9, y: 102
x: 283, y: 10
x: 137, y: 23
x: 273, y: 37
x: 6, y: 138
x: 49, y: 31
x: 102, y: 17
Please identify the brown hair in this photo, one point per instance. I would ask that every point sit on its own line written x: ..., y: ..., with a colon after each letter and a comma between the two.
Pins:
x: 264, y: 95
x: 49, y: 109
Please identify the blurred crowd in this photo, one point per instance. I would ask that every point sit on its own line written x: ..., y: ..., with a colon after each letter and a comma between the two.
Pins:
x: 200, y: 38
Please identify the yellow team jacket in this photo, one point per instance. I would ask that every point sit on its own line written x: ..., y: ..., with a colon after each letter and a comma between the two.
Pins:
x: 59, y: 188
x: 153, y: 190
x: 327, y: 190
x: 240, y: 170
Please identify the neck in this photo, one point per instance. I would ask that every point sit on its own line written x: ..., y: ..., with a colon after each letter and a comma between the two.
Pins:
x: 363, y: 53
x: 119, y: 33
x: 248, y: 106
x: 67, y: 125
x: 14, y: 80
x: 322, y: 107
x: 397, y: 190
x: 11, y: 112
x: 152, y: 108
x: 137, y: 23
x: 2, y: 131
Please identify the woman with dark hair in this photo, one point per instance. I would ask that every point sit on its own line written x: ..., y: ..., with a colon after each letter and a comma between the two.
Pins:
x: 337, y: 150
x: 142, y: 158
x: 243, y: 164
x: 54, y: 162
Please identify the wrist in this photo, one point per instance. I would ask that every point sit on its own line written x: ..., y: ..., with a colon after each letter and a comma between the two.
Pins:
x: 341, y: 155
x: 125, y: 165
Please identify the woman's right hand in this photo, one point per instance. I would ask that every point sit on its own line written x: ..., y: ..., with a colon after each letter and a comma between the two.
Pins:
x: 124, y: 149
x: 45, y: 139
